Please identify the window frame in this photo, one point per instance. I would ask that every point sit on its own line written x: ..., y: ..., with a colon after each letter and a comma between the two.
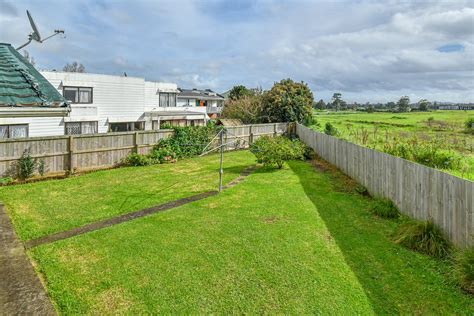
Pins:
x: 129, y: 123
x: 80, y: 126
x: 16, y: 124
x: 78, y: 88
x: 168, y: 98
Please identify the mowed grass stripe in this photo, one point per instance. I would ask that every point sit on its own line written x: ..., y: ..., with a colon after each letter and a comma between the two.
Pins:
x: 44, y: 208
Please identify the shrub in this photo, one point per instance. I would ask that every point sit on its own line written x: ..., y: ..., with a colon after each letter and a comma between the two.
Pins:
x: 385, y: 208
x: 424, y: 237
x: 469, y: 124
x: 136, y: 160
x: 248, y: 109
x: 41, y: 167
x: 330, y: 129
x: 163, y: 154
x: 26, y: 165
x: 274, y: 151
x: 464, y: 269
x: 6, y: 180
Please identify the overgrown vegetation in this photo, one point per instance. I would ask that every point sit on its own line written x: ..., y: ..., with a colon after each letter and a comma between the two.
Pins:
x: 464, y: 269
x: 385, y: 208
x: 425, y: 237
x: 329, y: 129
x: 469, y: 124
x: 274, y: 151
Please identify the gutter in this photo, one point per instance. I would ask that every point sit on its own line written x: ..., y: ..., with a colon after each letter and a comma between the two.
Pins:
x: 34, y: 112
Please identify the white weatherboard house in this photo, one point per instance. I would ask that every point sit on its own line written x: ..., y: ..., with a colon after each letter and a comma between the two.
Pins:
x: 104, y: 103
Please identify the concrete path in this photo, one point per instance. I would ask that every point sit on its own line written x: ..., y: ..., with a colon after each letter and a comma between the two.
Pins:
x: 21, y: 291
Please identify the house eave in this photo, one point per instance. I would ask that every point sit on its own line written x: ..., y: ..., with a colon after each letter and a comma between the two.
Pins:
x: 34, y: 112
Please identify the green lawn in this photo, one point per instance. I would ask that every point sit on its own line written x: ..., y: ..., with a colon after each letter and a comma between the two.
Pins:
x: 376, y: 129
x: 296, y: 240
x: 42, y: 208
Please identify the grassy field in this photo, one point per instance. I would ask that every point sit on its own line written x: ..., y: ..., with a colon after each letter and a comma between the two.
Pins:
x: 42, y: 208
x: 298, y: 240
x: 446, y: 128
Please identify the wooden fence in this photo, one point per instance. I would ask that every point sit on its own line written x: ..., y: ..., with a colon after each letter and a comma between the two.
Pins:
x: 97, y: 151
x: 418, y: 191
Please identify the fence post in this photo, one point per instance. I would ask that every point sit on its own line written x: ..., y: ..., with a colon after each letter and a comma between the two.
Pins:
x: 71, y: 153
x: 135, y: 142
x: 251, y: 135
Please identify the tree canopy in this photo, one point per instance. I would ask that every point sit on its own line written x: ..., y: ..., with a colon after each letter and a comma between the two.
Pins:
x: 74, y: 67
x: 239, y: 92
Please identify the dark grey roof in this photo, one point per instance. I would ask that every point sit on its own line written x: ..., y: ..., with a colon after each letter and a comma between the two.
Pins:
x: 206, y: 94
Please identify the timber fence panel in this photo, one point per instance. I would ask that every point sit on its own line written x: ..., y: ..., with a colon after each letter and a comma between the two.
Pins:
x: 418, y: 191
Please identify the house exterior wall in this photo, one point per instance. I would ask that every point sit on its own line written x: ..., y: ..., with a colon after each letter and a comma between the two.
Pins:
x: 38, y: 126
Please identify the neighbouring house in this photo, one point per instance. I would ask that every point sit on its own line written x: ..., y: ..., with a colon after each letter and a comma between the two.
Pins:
x: 208, y: 99
x: 29, y: 104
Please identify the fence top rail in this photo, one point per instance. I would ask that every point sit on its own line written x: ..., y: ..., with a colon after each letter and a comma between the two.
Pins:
x: 381, y: 152
x: 261, y: 125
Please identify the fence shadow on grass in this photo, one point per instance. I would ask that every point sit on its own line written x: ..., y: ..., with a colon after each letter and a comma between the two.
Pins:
x: 395, y: 280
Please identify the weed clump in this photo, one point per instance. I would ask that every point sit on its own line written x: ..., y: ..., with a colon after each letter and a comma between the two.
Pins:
x: 464, y: 269
x: 385, y: 208
x: 424, y: 237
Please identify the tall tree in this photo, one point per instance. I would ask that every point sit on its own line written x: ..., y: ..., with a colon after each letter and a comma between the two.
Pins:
x: 239, y: 92
x: 288, y: 101
x: 74, y: 67
x: 28, y: 57
x: 337, y: 102
x: 404, y: 104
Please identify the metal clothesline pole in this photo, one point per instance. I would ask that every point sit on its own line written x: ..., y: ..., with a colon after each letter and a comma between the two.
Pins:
x: 221, y: 170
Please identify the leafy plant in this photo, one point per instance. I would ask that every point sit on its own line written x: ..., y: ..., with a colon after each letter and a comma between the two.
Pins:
x: 469, y: 124
x: 464, y: 269
x: 274, y: 151
x: 6, y: 180
x: 41, y: 167
x: 163, y: 154
x: 330, y: 129
x: 26, y: 165
x: 136, y: 160
x: 424, y: 237
x: 385, y: 208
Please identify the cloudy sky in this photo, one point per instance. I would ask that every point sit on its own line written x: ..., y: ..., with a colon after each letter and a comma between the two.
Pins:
x: 368, y: 50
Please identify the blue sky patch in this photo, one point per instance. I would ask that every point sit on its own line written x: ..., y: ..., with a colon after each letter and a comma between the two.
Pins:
x: 450, y: 48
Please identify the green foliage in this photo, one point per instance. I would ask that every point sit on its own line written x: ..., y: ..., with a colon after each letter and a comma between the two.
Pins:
x: 403, y: 104
x: 464, y: 269
x: 163, y: 154
x: 136, y: 160
x: 330, y: 129
x: 469, y: 124
x: 239, y: 92
x: 337, y: 102
x: 6, y: 180
x: 288, y: 101
x: 424, y: 237
x: 274, y: 151
x: 26, y: 165
x: 247, y: 109
x: 320, y: 105
x: 424, y: 105
x: 385, y: 208
x: 41, y: 167
x: 187, y: 141
x: 424, y: 153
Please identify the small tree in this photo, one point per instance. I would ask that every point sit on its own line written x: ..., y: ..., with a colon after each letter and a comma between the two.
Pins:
x: 247, y: 109
x: 26, y: 165
x: 74, y: 67
x: 288, y: 101
x: 330, y: 129
x: 239, y: 92
x: 404, y: 104
x: 424, y: 105
x: 274, y: 151
x: 320, y: 105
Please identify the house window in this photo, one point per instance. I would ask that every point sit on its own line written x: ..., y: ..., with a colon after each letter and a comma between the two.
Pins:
x: 126, y: 126
x: 13, y: 131
x: 77, y: 128
x: 78, y: 94
x: 167, y: 99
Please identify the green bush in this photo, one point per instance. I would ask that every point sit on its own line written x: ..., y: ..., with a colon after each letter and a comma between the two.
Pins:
x: 187, y: 141
x: 26, y: 165
x: 136, y: 160
x: 163, y: 154
x: 274, y: 151
x: 330, y: 129
x: 469, y: 124
x: 6, y: 180
x: 464, y: 269
x: 385, y: 208
x: 424, y: 237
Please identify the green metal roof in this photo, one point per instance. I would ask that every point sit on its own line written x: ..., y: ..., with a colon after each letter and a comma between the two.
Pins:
x: 22, y: 85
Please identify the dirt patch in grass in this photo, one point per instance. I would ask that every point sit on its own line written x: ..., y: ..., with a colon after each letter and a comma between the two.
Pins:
x: 271, y: 219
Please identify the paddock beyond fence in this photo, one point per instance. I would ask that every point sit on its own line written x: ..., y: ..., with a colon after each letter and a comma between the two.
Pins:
x: 418, y: 191
x: 98, y: 151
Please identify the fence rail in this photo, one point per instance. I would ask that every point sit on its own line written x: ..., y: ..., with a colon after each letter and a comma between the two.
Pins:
x: 98, y: 151
x: 418, y: 191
